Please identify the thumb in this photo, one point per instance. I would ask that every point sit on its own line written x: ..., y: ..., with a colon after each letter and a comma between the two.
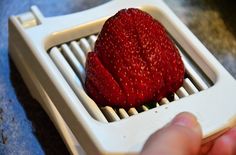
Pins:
x: 182, y: 136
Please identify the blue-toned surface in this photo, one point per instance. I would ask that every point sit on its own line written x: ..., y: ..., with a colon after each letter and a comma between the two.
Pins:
x: 16, y: 130
x: 25, y: 127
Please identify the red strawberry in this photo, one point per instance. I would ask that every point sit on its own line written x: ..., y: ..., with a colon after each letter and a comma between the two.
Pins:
x: 134, y: 62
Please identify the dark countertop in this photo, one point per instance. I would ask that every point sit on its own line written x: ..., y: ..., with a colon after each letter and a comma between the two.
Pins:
x: 214, y: 23
x: 24, y: 126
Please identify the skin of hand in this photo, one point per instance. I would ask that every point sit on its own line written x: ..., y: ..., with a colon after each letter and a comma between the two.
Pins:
x: 183, y: 136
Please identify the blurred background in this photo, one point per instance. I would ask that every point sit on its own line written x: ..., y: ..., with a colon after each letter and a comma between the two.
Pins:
x: 24, y: 126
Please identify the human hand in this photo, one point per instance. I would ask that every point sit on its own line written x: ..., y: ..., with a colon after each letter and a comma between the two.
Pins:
x: 183, y: 136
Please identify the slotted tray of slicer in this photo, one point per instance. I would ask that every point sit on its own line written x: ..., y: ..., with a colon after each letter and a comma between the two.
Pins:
x: 70, y: 58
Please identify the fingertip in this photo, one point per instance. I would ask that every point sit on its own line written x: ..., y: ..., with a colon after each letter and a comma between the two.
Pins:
x: 226, y: 144
x: 187, y: 120
x: 181, y: 136
x: 222, y: 146
x: 232, y: 133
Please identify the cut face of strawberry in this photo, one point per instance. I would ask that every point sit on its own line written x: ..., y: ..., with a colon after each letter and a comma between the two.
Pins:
x: 134, y: 62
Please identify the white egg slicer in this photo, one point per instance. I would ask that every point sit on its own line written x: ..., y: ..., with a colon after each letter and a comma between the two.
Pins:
x: 50, y: 55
